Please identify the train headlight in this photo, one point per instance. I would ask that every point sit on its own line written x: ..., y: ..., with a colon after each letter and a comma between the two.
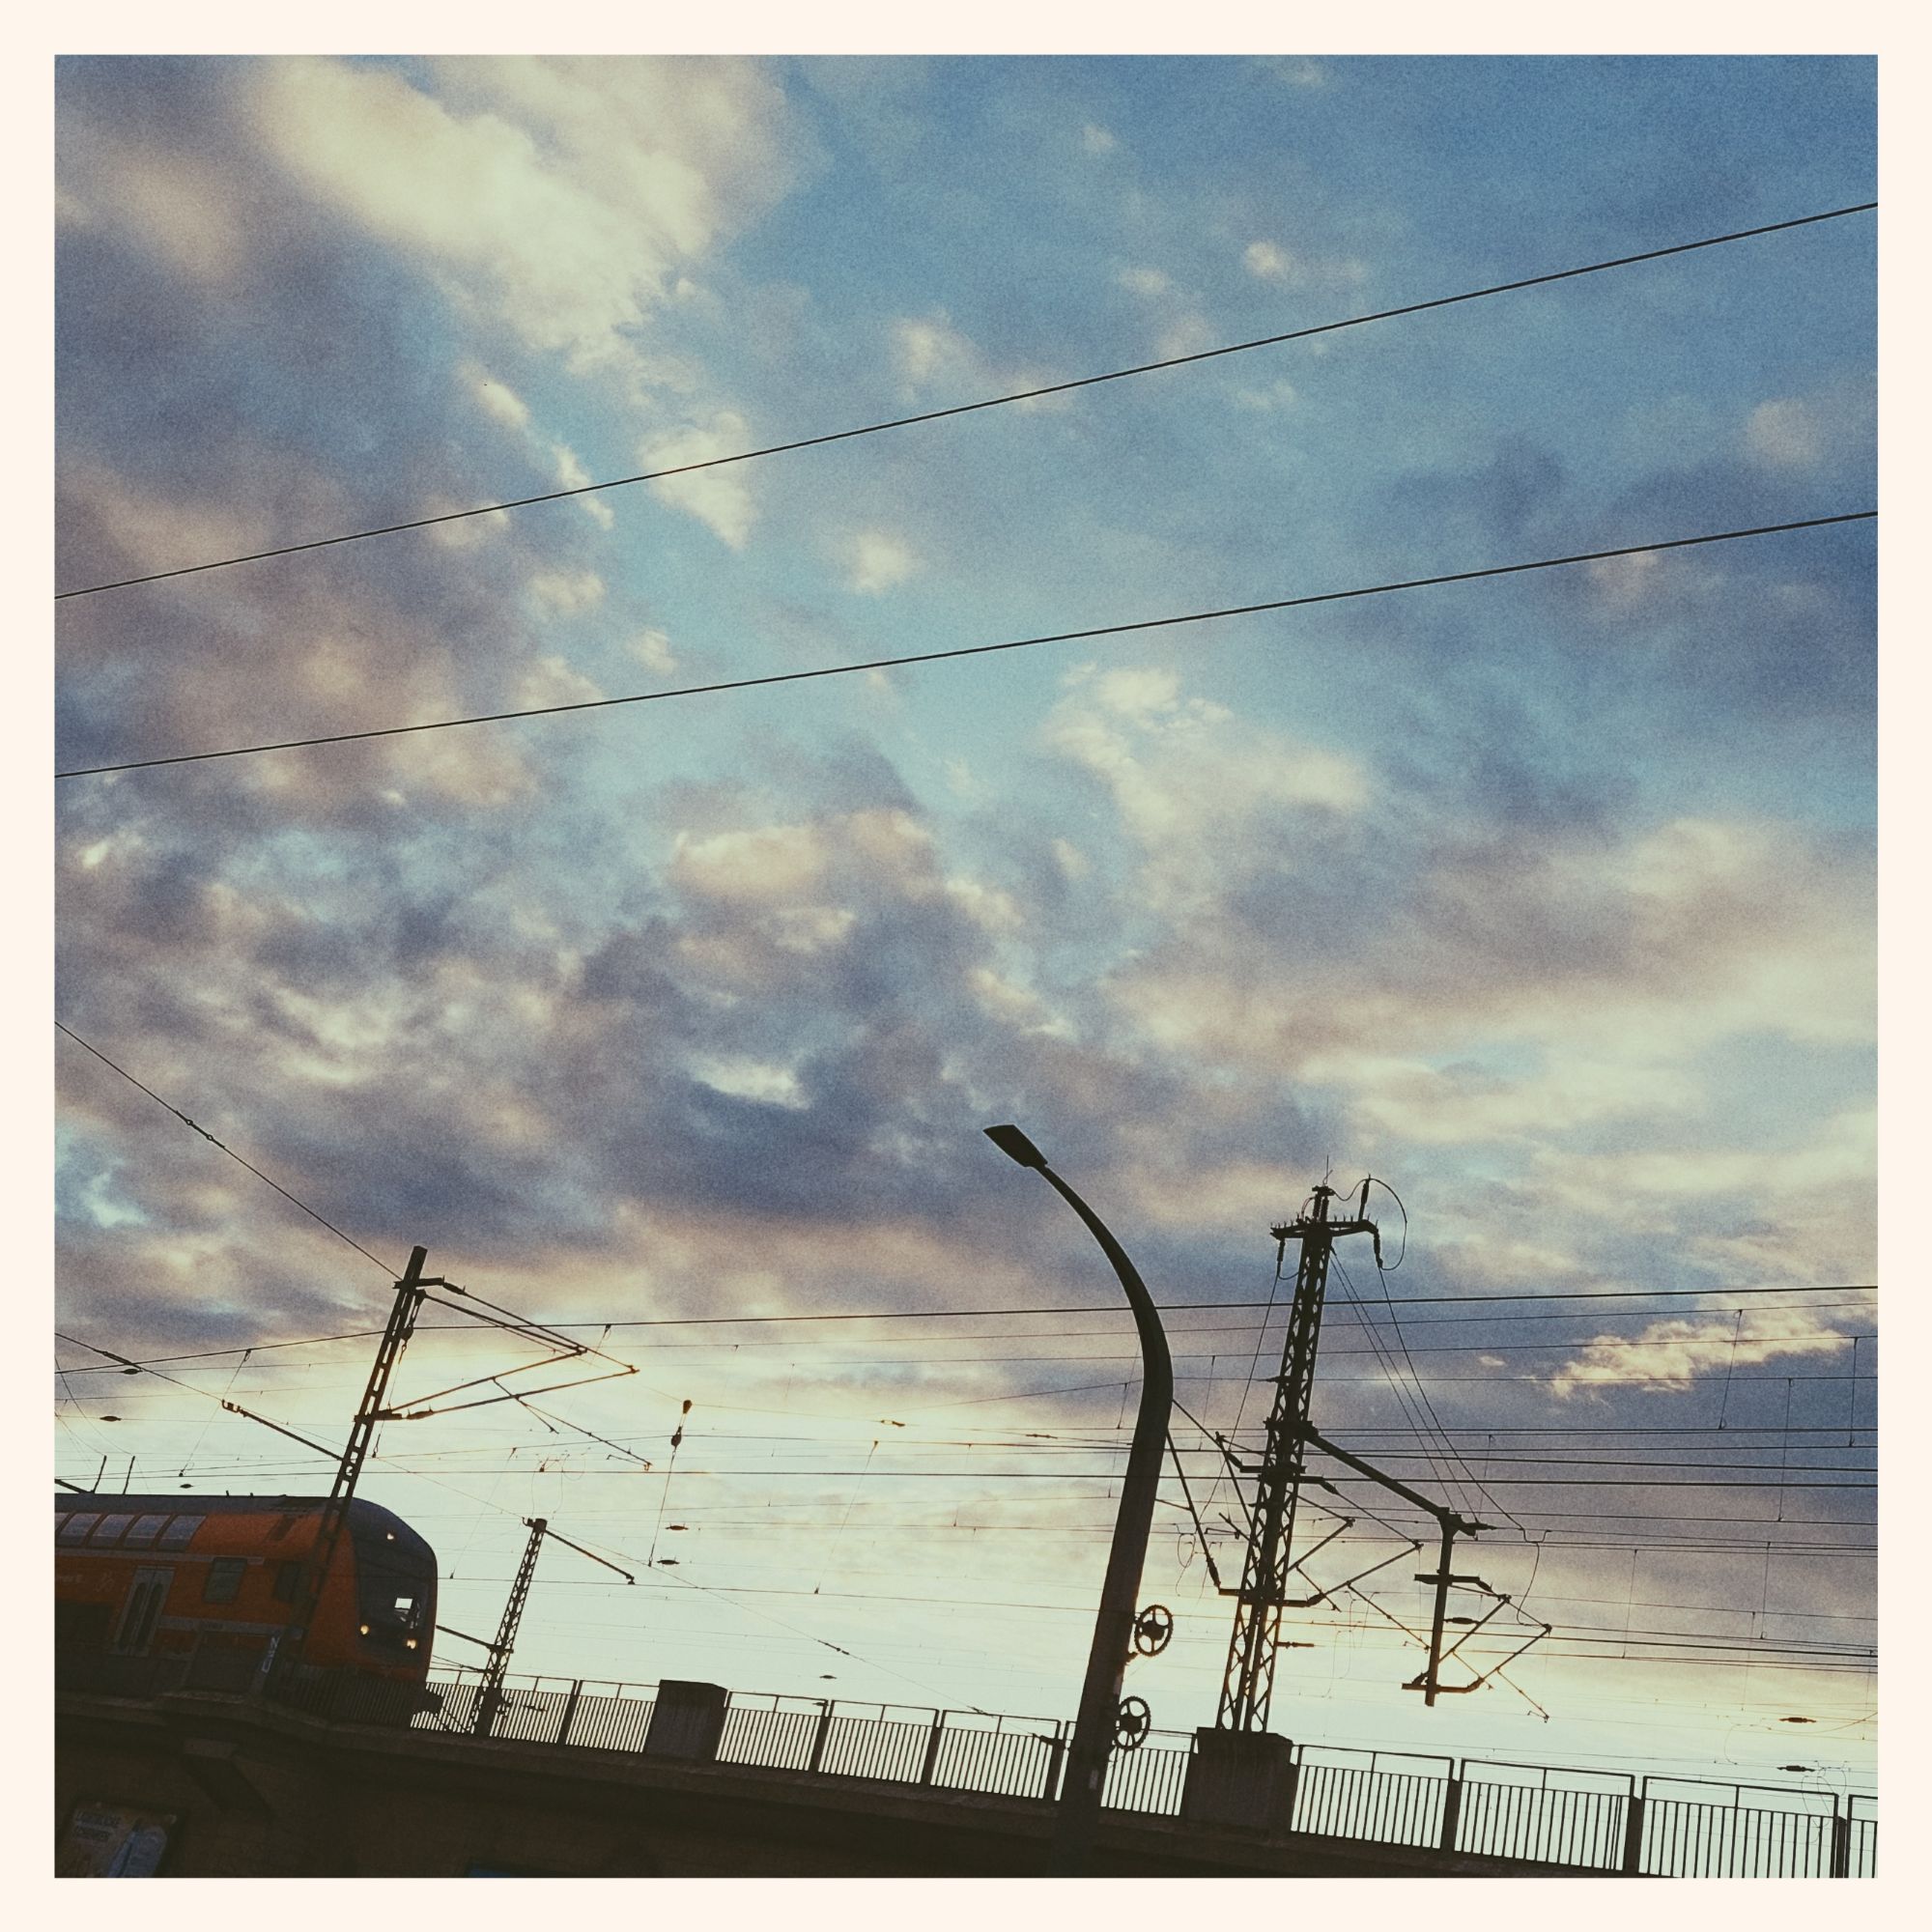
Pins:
x: 363, y: 1628
x: 409, y: 1643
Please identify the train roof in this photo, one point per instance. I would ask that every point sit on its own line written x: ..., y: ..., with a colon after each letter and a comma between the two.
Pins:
x: 360, y: 1510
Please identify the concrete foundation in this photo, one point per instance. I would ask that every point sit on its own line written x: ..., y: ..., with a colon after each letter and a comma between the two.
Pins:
x: 1240, y: 1780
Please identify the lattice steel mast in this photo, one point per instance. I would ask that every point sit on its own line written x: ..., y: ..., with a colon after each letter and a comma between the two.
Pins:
x: 401, y: 1326
x: 1248, y: 1682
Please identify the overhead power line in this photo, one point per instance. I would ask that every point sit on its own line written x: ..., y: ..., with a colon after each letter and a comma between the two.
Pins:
x: 1165, y: 1307
x: 974, y: 408
x: 974, y: 650
x: 229, y: 1151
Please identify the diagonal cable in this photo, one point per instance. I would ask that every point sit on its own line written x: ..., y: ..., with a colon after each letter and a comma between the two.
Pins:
x: 979, y: 650
x: 972, y: 408
x: 230, y: 1152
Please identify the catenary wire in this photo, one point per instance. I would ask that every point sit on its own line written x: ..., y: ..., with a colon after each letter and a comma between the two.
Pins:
x: 1140, y: 624
x: 229, y: 1151
x: 971, y: 409
x: 1089, y: 1309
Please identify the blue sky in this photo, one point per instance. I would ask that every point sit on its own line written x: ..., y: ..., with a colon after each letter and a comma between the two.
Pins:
x: 1549, y: 899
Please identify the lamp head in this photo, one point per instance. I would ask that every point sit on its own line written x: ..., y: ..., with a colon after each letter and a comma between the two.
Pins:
x: 1015, y: 1146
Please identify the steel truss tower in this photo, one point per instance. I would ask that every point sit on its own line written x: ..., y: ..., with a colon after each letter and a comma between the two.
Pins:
x: 402, y: 1324
x: 1248, y: 1682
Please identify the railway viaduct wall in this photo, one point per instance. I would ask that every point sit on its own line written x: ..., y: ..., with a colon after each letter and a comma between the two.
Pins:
x: 256, y: 1791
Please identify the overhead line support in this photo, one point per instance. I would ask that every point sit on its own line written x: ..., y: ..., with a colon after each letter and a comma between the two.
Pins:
x: 286, y: 1654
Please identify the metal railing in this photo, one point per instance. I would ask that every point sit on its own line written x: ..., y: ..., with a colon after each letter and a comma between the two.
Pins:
x: 1566, y: 1817
x: 1378, y: 1796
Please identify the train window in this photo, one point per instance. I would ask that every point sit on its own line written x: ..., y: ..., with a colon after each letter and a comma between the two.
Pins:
x: 287, y: 1577
x: 74, y: 1528
x: 109, y: 1528
x: 224, y: 1579
x: 143, y: 1608
x: 180, y: 1532
x: 145, y: 1529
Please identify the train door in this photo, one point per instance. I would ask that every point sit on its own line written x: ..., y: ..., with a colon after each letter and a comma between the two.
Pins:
x: 143, y: 1610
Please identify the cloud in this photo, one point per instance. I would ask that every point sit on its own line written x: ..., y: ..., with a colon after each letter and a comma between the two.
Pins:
x: 1278, y: 395
x: 1671, y: 1354
x: 721, y: 499
x: 878, y: 561
x: 497, y: 400
x: 1165, y: 760
x: 1096, y: 140
x: 567, y: 591
x: 929, y: 354
x: 774, y: 862
x: 1272, y: 262
x: 1266, y: 261
x: 929, y: 347
x: 1809, y: 433
x: 562, y: 196
x: 552, y: 680
x: 652, y: 649
x: 1302, y: 72
x: 1672, y: 937
x: 571, y: 474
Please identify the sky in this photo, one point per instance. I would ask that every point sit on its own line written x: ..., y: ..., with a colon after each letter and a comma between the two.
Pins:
x: 1548, y: 899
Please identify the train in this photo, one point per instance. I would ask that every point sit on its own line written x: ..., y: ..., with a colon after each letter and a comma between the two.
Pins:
x: 170, y: 1592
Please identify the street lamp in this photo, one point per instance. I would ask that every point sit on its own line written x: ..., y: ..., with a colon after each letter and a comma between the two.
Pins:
x: 1081, y: 1789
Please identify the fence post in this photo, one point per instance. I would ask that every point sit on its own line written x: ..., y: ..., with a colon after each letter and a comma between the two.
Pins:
x: 570, y: 1708
x: 1452, y: 1807
x: 933, y: 1747
x: 1841, y: 1843
x: 819, y: 1736
x: 1633, y: 1804
x: 1056, y: 1756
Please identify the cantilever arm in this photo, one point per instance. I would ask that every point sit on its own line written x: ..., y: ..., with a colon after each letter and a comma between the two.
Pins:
x: 1448, y: 1518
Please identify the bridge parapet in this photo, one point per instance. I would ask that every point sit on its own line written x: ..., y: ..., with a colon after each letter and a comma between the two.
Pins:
x: 1339, y: 1805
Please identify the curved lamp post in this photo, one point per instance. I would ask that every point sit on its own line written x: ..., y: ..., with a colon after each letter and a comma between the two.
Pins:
x: 1081, y: 1789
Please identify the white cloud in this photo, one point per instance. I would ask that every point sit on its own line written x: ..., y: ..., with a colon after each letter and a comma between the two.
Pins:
x: 652, y: 649
x: 561, y: 195
x: 985, y: 905
x: 721, y: 499
x: 1190, y: 335
x: 571, y: 474
x: 1672, y: 1353
x: 928, y: 347
x: 567, y: 591
x: 878, y: 561
x: 1096, y: 140
x: 169, y: 205
x: 496, y: 399
x: 1267, y: 261
x: 929, y: 354
x: 1278, y: 395
x: 1166, y: 760
x: 1143, y: 281
x: 1273, y: 262
x: 748, y: 1079
x: 775, y: 862
x: 553, y: 680
x: 1302, y: 72
x: 1786, y: 434
x: 560, y: 199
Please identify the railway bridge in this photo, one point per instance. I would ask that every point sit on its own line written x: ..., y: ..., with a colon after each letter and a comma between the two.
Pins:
x: 568, y: 1778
